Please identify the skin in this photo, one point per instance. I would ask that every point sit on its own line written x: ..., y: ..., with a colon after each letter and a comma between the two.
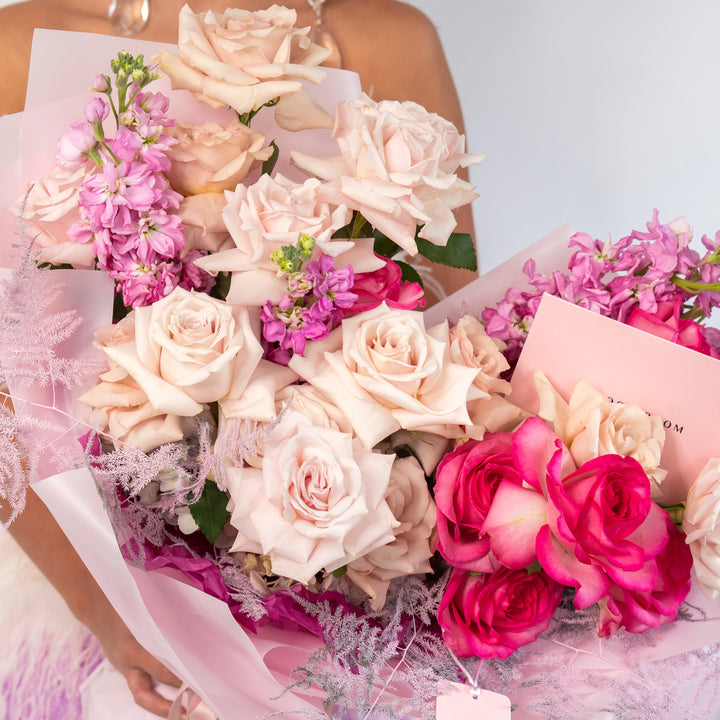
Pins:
x: 373, y: 35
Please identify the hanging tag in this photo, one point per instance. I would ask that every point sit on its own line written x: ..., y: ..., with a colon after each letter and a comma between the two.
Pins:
x: 462, y: 703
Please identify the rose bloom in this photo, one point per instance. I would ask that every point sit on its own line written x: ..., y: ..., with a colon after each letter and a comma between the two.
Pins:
x: 701, y: 523
x: 398, y: 168
x: 603, y: 529
x: 409, y: 500
x: 385, y: 285
x: 590, y: 425
x: 667, y: 323
x: 318, y: 502
x: 270, y: 214
x: 388, y: 372
x: 189, y: 349
x: 492, y: 615
x: 49, y: 209
x: 213, y: 158
x: 313, y: 405
x: 203, y: 226
x: 638, y: 611
x: 488, y: 497
x: 240, y: 58
x: 121, y: 407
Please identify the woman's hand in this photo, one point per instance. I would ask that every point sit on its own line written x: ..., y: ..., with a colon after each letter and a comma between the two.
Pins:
x: 37, y: 532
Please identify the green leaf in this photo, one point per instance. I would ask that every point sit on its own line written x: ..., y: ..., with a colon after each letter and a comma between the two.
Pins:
x: 210, y: 511
x: 459, y: 251
x: 384, y: 245
x: 269, y: 165
x: 409, y: 273
x: 221, y: 288
x: 340, y: 571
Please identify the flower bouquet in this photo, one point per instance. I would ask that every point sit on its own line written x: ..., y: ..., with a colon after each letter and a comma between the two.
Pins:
x: 314, y: 498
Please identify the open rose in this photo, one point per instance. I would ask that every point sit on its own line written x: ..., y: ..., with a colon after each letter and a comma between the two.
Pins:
x: 242, y: 59
x: 121, y: 407
x: 590, y: 425
x: 385, y: 285
x: 409, y: 500
x: 317, y: 504
x: 603, y: 529
x: 203, y: 226
x: 213, y: 158
x: 492, y: 615
x: 666, y: 322
x: 398, y: 168
x: 489, y: 500
x: 638, y: 610
x: 189, y: 349
x: 701, y: 523
x: 49, y: 209
x: 388, y: 372
x: 268, y: 215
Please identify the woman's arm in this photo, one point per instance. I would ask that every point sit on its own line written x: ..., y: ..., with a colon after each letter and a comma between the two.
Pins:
x: 37, y: 532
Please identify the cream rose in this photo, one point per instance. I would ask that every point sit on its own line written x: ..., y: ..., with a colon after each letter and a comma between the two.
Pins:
x: 271, y: 213
x: 317, y: 503
x: 701, y: 524
x: 189, y: 349
x: 388, y: 372
x: 242, y: 59
x: 213, y: 158
x: 398, y: 168
x: 121, y: 407
x: 590, y: 425
x: 409, y: 500
x: 49, y: 209
x: 311, y: 403
x: 203, y: 223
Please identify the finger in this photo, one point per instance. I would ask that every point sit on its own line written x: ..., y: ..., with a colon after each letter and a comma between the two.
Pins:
x: 158, y: 671
x: 144, y: 694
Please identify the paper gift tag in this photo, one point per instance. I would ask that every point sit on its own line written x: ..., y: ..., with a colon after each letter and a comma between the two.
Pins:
x: 460, y: 703
x: 568, y: 343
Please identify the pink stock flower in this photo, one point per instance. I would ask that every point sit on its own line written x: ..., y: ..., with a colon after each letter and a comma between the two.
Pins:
x: 96, y: 110
x: 492, y: 615
x: 667, y: 323
x: 638, y: 610
x: 385, y: 284
x: 73, y: 146
x: 603, y: 529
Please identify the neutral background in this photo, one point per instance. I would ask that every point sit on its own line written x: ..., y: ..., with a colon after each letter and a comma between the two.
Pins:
x: 592, y: 112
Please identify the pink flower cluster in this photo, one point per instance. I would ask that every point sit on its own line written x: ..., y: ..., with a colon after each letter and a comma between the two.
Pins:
x: 519, y: 523
x: 646, y: 271
x: 127, y: 208
x: 315, y: 303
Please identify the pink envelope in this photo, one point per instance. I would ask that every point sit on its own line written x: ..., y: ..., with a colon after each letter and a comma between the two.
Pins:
x: 568, y: 343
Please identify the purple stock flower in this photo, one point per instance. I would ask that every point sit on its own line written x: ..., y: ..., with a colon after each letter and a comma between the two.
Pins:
x: 74, y: 146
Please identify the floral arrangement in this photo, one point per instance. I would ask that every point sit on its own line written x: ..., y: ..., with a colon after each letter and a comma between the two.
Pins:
x: 273, y: 420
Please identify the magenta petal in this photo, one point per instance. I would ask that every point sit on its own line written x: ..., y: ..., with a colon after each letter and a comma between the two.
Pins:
x: 534, y: 445
x: 513, y: 522
x: 562, y: 566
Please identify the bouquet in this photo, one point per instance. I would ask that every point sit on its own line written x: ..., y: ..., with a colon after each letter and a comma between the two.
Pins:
x: 297, y: 462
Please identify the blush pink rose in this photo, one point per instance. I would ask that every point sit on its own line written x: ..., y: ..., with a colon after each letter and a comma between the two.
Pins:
x: 638, y: 611
x: 492, y: 615
x: 240, y: 58
x: 668, y: 324
x: 49, y: 209
x: 213, y: 158
x: 603, y: 529
x: 398, y: 168
x: 385, y: 285
x: 318, y: 502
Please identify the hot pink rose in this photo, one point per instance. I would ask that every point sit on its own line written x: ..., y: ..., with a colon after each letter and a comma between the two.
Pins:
x: 603, y: 529
x: 385, y: 284
x: 638, y: 611
x: 492, y: 615
x: 488, y: 497
x: 667, y: 323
